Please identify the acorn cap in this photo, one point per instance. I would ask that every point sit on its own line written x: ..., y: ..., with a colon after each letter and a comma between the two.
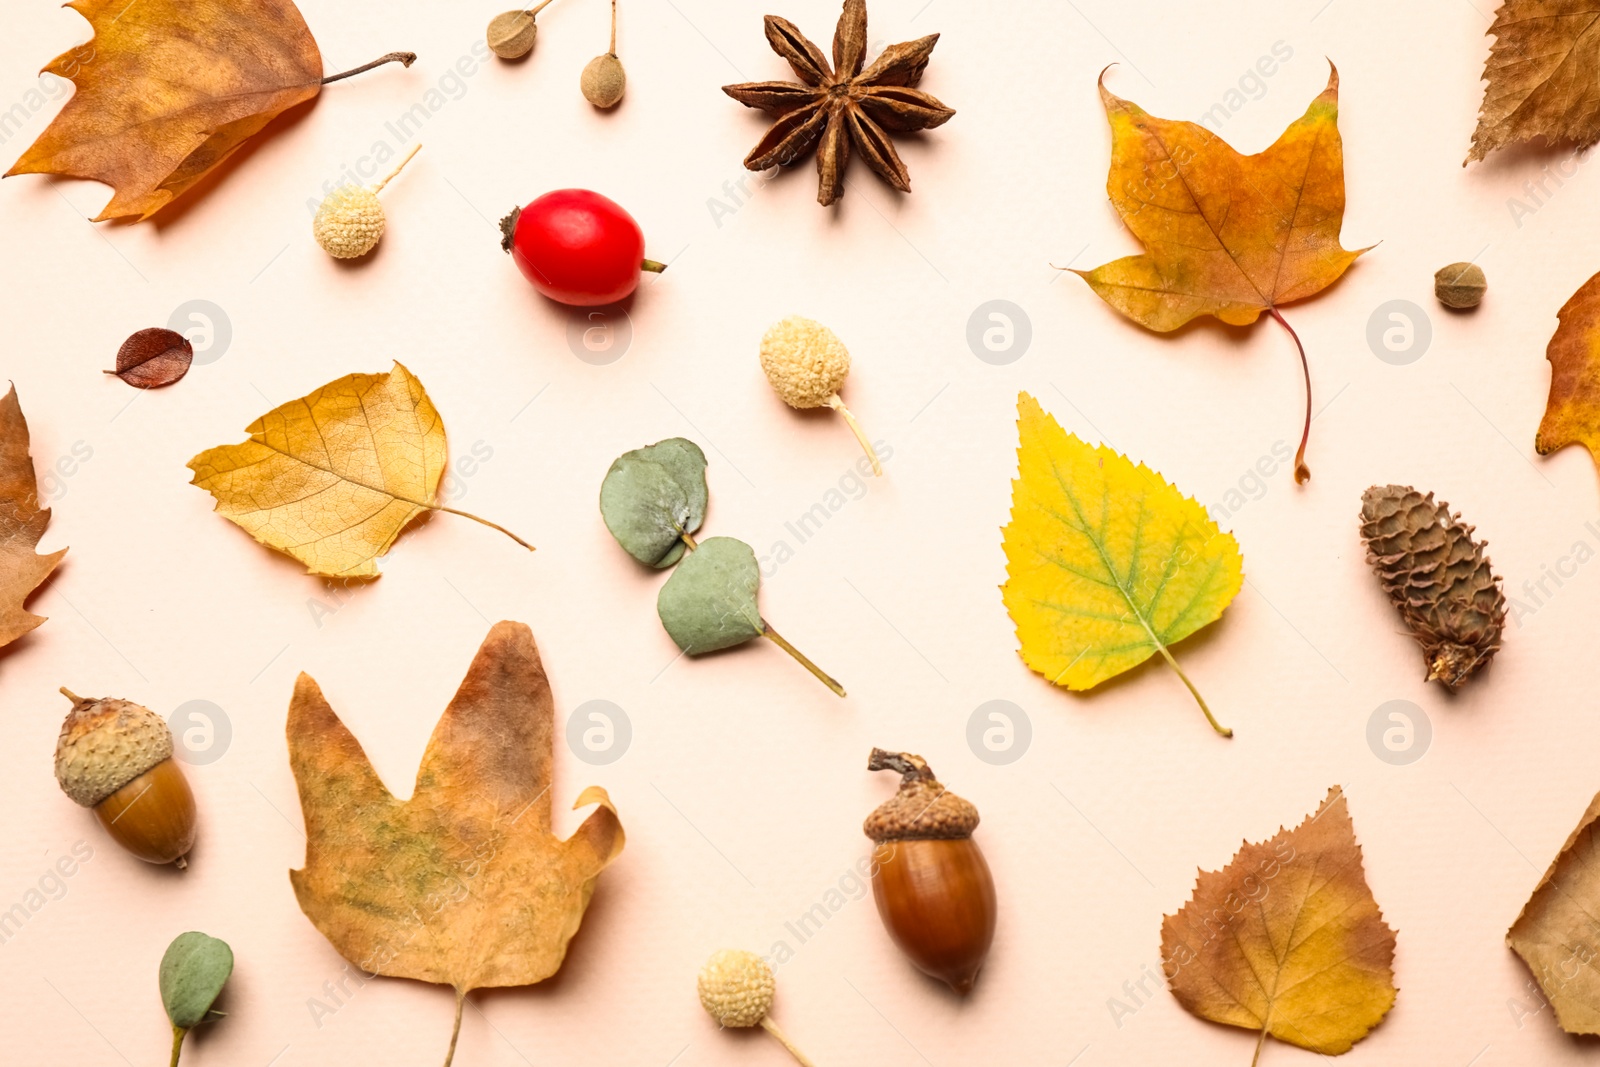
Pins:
x: 805, y: 361
x: 105, y: 744
x: 923, y: 809
x: 736, y: 987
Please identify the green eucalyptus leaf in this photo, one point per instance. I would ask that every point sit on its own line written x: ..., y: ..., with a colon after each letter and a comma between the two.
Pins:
x: 193, y: 972
x: 652, y: 496
x: 709, y: 603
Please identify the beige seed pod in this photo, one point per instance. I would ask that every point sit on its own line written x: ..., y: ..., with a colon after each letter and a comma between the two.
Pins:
x: 807, y: 365
x: 1460, y: 285
x: 115, y: 757
x: 350, y: 221
x: 736, y: 989
x: 512, y: 34
x: 603, y: 81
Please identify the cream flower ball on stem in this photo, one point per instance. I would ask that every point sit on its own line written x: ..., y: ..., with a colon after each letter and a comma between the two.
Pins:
x: 807, y: 364
x: 350, y: 222
x: 736, y: 989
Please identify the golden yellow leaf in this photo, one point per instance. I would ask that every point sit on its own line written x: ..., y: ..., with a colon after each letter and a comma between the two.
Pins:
x: 332, y: 478
x: 1287, y: 939
x: 1225, y: 234
x: 464, y: 884
x: 22, y: 524
x: 1555, y: 934
x: 1106, y: 563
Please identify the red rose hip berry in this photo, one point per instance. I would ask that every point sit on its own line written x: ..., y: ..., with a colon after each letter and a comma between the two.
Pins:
x: 577, y: 247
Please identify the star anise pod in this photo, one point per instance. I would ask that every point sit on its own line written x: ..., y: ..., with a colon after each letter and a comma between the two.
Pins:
x: 832, y: 106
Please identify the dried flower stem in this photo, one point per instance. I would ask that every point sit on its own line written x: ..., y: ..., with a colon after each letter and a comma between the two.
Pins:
x: 400, y: 167
x: 772, y: 1028
x: 613, y: 49
x: 403, y: 58
x: 855, y: 427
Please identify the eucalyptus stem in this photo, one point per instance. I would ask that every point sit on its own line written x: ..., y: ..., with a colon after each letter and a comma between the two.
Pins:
x: 178, y: 1034
x: 800, y: 657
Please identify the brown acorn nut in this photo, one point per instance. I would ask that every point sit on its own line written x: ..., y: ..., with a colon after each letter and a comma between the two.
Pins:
x: 932, y: 886
x: 116, y: 757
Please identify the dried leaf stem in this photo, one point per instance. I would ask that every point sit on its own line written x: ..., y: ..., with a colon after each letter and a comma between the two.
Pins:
x: 1302, y: 473
x: 486, y: 522
x: 455, y: 1031
x: 403, y: 58
x: 1173, y: 663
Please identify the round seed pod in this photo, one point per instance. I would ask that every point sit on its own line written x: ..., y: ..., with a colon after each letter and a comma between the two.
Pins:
x: 603, y: 81
x: 350, y: 222
x: 736, y: 987
x: 805, y: 362
x: 512, y: 34
x: 1460, y: 285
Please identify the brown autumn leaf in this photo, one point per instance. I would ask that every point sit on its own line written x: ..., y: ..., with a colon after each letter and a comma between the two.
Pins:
x: 1543, y: 78
x: 1572, y: 412
x: 152, y: 358
x: 22, y: 524
x: 168, y: 89
x: 464, y: 884
x: 1225, y: 234
x: 1555, y: 933
x: 1286, y: 939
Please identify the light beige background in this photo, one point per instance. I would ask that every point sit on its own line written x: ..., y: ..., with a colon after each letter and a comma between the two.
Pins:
x: 743, y: 788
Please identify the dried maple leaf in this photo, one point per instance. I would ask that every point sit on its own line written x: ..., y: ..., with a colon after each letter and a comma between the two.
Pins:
x: 168, y: 89
x: 843, y: 103
x: 1572, y: 412
x: 1543, y: 81
x: 332, y: 478
x: 464, y: 884
x: 1555, y: 932
x: 22, y: 523
x: 1286, y: 939
x: 1224, y: 234
x: 1106, y: 563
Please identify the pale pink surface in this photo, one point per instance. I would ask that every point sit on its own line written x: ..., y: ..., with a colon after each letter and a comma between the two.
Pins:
x: 744, y: 787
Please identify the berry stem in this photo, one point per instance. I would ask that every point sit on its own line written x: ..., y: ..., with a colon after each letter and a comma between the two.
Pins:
x: 491, y: 525
x: 1215, y: 725
x: 822, y: 676
x: 532, y: 11
x: 70, y: 695
x: 772, y: 1028
x: 855, y: 427
x: 613, y: 49
x: 400, y: 167
x: 653, y: 266
x: 403, y: 58
x: 1302, y: 473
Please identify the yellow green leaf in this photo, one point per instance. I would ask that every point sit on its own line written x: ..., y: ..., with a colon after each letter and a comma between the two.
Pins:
x: 1107, y: 564
x: 1287, y: 939
x: 332, y: 478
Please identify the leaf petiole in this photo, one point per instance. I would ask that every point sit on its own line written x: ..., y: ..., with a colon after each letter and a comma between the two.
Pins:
x: 800, y: 657
x: 455, y: 1031
x: 178, y: 1034
x: 1173, y: 663
x: 1302, y: 473
x: 403, y: 58
x: 486, y: 522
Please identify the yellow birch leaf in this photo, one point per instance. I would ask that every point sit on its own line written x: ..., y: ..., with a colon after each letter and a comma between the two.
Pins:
x: 1287, y: 939
x: 332, y: 478
x: 1107, y: 564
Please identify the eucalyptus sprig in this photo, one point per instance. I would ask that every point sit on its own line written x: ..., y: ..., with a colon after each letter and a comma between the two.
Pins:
x: 653, y: 501
x: 194, y: 969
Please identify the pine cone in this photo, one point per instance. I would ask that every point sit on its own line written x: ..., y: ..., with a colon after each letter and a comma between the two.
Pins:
x: 1438, y: 577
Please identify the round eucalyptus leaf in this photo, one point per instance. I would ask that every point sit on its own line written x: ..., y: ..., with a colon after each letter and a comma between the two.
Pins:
x: 709, y: 603
x: 193, y: 972
x: 651, y: 496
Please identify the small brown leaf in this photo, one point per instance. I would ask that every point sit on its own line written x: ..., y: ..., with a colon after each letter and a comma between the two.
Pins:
x: 22, y: 523
x: 153, y: 358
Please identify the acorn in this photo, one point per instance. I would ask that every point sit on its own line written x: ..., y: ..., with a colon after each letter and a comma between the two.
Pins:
x: 931, y: 883
x: 115, y: 756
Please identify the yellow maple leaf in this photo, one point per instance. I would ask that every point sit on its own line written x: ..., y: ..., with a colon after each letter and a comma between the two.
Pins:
x: 1107, y: 564
x: 1287, y: 939
x: 332, y: 478
x: 1225, y: 234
